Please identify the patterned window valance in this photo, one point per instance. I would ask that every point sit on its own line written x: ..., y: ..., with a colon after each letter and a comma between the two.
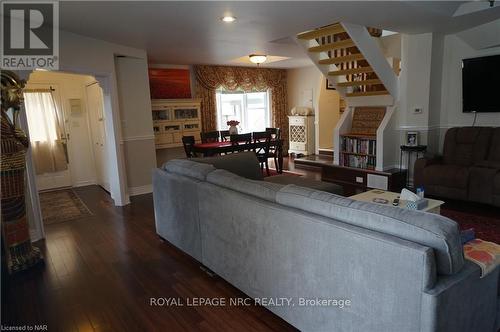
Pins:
x: 244, y: 78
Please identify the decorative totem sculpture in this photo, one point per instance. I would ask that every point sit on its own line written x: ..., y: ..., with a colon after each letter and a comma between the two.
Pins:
x: 19, y: 252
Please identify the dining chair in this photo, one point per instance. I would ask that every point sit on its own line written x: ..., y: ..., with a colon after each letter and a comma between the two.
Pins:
x: 224, y: 135
x: 209, y: 137
x: 273, y: 150
x: 275, y: 132
x: 188, y: 142
x: 241, y: 142
x: 262, y: 144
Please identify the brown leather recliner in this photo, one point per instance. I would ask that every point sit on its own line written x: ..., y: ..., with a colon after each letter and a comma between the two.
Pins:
x: 469, y: 168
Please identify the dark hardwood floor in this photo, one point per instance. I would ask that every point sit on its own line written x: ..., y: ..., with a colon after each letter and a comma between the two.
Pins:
x: 306, y: 171
x: 101, y: 271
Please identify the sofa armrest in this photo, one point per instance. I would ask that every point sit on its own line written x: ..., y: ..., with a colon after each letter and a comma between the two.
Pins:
x: 488, y: 164
x: 420, y: 164
x: 462, y: 302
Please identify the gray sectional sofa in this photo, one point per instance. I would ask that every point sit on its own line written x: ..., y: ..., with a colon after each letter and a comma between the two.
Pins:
x: 401, y: 270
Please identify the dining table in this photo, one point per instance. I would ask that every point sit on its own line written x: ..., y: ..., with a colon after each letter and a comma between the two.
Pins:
x: 214, y: 148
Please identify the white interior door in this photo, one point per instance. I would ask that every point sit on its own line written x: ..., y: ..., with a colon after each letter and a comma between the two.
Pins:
x: 98, y: 133
x: 48, y: 180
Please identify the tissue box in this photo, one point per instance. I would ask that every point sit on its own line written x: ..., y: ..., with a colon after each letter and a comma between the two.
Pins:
x: 418, y: 204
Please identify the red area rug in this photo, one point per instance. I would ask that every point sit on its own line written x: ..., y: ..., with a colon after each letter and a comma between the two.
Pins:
x: 486, y: 224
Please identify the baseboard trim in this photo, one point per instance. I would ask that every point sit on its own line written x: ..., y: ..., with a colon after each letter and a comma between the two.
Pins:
x: 84, y: 183
x: 140, y: 190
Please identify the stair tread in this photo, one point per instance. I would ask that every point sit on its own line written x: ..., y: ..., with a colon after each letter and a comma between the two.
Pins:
x: 325, y: 31
x: 332, y: 46
x: 340, y: 59
x: 358, y: 70
x: 365, y: 82
x: 367, y: 93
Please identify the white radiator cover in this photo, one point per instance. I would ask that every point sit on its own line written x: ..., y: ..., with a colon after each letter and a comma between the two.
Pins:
x: 301, y: 134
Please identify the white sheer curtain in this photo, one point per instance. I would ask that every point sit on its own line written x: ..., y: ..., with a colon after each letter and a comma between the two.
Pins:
x: 45, y: 129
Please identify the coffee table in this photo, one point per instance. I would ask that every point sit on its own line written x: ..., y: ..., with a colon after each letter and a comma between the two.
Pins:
x: 377, y: 196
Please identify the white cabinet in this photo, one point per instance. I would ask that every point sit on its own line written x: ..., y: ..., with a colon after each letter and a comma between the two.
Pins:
x: 174, y: 118
x: 301, y: 134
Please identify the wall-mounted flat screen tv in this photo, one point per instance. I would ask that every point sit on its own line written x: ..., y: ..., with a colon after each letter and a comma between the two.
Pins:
x: 481, y: 84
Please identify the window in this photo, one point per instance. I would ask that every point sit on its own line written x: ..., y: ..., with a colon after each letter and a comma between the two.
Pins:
x: 251, y: 109
x: 42, y: 117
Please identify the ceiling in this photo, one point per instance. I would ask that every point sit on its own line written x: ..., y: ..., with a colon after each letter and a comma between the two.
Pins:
x: 190, y: 32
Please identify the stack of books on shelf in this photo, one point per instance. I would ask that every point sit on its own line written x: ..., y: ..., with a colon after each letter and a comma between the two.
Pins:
x: 350, y: 160
x: 358, y: 151
x: 359, y: 145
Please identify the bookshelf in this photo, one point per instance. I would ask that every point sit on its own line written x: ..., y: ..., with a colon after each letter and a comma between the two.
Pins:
x: 358, y: 151
x: 358, y: 146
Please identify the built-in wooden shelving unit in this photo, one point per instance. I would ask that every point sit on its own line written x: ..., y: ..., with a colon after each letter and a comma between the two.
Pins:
x: 358, y: 151
x: 174, y: 118
x: 358, y: 147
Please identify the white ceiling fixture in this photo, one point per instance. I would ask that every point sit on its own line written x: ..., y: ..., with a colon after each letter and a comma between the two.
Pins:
x: 245, y: 60
x: 228, y: 19
x: 257, y: 58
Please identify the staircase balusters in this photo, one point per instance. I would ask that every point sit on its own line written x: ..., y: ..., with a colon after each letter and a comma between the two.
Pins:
x: 332, y: 34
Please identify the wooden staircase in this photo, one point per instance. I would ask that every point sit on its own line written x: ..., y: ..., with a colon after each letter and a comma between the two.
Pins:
x: 332, y: 48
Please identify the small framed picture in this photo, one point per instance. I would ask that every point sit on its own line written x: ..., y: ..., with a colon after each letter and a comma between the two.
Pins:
x: 412, y: 138
x: 329, y: 85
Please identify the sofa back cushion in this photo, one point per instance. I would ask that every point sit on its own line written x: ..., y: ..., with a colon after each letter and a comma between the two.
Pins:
x: 494, y: 153
x: 244, y: 164
x: 466, y: 145
x: 261, y: 189
x: 431, y: 230
x: 188, y: 168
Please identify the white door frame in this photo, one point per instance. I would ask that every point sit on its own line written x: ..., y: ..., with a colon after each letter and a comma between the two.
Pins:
x: 117, y: 174
x: 90, y: 123
x: 112, y: 123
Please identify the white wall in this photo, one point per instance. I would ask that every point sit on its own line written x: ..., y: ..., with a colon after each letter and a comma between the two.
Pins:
x: 415, y: 79
x: 70, y: 86
x: 432, y: 135
x: 301, y: 79
x: 325, y: 102
x: 327, y: 116
x: 136, y: 123
x: 96, y: 57
x: 164, y: 155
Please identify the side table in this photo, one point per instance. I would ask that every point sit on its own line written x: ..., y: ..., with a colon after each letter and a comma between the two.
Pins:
x: 409, y: 150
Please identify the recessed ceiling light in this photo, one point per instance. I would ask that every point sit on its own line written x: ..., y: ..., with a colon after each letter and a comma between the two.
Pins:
x: 228, y: 19
x: 257, y: 58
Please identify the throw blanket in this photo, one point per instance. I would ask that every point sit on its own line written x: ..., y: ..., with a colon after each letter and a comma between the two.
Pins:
x: 483, y: 253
